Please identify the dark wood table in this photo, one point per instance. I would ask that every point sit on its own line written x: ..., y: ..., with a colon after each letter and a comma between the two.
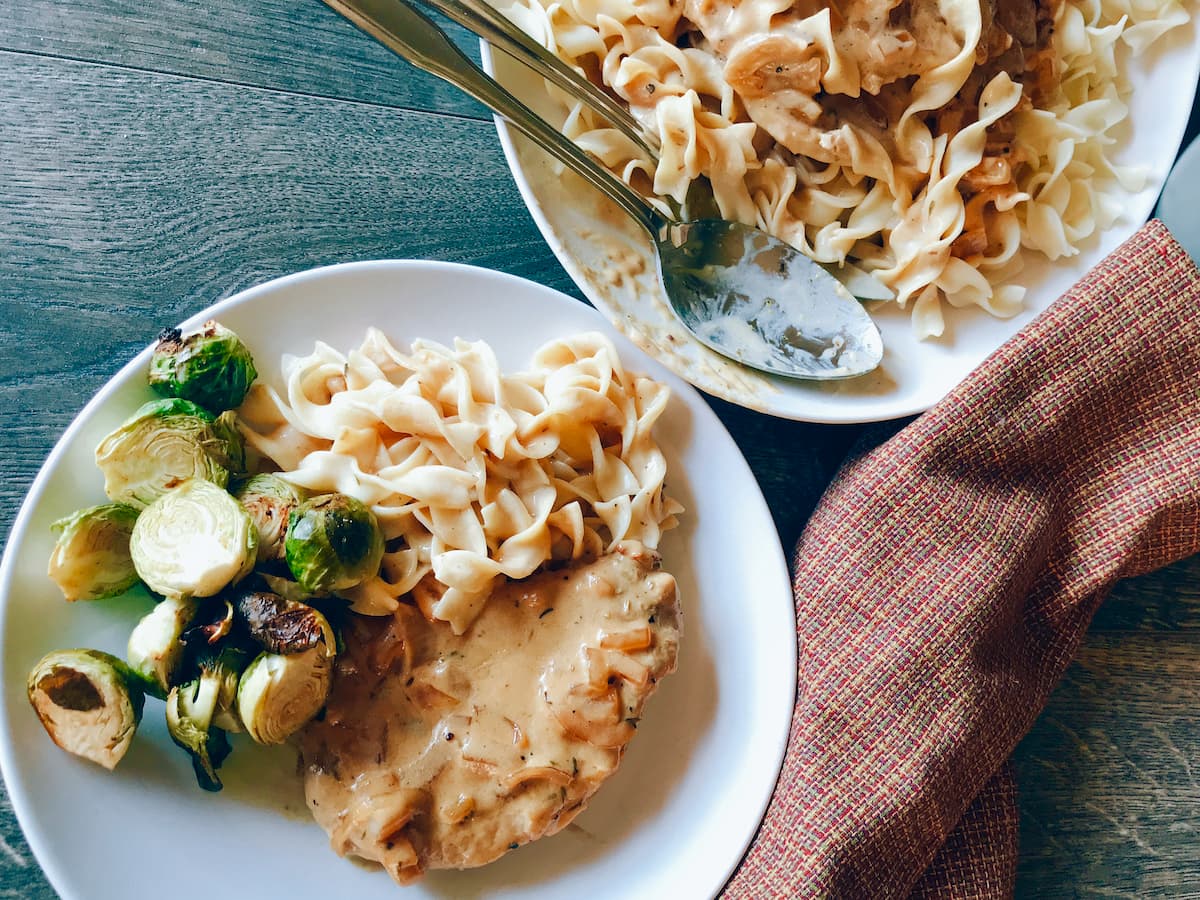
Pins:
x: 159, y: 155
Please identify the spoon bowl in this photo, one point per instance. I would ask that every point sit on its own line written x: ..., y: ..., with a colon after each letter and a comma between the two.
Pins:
x: 760, y: 301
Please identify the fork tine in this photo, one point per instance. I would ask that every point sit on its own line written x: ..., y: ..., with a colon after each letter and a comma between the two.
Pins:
x: 481, y: 18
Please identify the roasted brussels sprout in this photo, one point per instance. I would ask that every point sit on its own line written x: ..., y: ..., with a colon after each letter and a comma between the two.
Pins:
x: 163, y: 444
x: 333, y: 542
x: 211, y: 367
x: 269, y: 500
x: 279, y: 694
x: 283, y: 626
x: 89, y: 702
x: 155, y: 649
x: 201, y: 711
x: 91, y: 558
x: 233, y: 443
x: 193, y: 541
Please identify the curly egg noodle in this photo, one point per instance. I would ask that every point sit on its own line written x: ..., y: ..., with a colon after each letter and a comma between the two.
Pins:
x: 923, y: 141
x: 475, y: 475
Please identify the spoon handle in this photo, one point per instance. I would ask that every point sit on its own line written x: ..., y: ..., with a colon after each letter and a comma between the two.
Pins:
x: 483, y: 19
x: 406, y: 31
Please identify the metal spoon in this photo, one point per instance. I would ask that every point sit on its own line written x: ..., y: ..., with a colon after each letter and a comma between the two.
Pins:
x: 745, y: 294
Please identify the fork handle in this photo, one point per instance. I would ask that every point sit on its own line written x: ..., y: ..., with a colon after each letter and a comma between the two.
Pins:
x: 412, y: 35
x: 481, y: 18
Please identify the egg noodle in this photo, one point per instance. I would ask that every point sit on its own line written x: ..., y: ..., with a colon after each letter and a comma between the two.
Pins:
x: 924, y: 141
x: 474, y: 475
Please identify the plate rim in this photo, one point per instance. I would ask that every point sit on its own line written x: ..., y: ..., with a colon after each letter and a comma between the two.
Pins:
x: 23, y: 800
x: 1136, y: 216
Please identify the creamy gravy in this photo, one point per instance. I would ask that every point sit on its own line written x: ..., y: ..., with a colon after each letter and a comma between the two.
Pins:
x: 445, y: 751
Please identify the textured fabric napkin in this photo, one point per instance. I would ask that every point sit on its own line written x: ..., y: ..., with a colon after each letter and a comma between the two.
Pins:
x: 947, y: 577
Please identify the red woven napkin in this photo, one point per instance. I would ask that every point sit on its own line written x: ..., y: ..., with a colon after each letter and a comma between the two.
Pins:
x: 946, y: 580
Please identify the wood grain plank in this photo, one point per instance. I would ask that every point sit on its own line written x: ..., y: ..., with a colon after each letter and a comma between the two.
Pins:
x: 1108, y: 777
x: 298, y: 46
x: 1166, y: 600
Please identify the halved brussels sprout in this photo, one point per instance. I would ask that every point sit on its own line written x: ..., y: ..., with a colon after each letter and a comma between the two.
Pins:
x: 201, y: 711
x: 162, y: 445
x: 333, y: 542
x: 210, y: 366
x: 278, y: 694
x: 193, y: 541
x: 269, y: 500
x: 155, y: 649
x: 89, y: 702
x: 284, y: 626
x: 91, y: 558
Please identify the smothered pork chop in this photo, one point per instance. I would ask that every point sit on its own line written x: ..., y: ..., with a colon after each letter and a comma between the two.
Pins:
x: 440, y: 750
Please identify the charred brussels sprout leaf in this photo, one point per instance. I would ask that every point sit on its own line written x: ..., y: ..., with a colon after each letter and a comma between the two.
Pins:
x: 212, y: 623
x: 193, y: 541
x: 91, y: 558
x: 284, y: 626
x: 89, y: 702
x: 210, y: 366
x: 269, y: 500
x: 162, y: 445
x: 333, y: 542
x: 277, y: 695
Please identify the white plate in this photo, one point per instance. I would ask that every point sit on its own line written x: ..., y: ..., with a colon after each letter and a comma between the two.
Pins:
x: 610, y: 259
x: 673, y: 822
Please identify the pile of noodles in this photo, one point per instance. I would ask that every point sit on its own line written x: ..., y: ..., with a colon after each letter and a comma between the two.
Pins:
x: 923, y: 141
x: 475, y: 475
